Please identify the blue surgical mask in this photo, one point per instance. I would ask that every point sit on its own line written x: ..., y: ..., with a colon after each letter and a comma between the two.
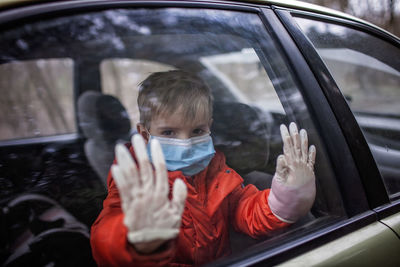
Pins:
x: 187, y: 155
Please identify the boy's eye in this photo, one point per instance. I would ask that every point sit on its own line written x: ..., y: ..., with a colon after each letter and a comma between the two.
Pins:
x: 167, y: 132
x: 198, y: 131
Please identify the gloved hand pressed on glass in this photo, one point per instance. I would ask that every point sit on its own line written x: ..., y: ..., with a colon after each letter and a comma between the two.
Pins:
x: 150, y: 216
x: 293, y: 185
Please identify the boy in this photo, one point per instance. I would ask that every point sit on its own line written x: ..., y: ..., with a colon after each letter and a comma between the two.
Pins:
x: 178, y: 212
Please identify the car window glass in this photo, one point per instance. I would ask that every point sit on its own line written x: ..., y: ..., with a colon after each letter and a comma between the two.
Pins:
x: 36, y: 98
x: 253, y: 93
x: 365, y: 69
x: 113, y: 51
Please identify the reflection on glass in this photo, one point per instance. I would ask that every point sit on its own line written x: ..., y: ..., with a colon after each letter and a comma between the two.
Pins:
x: 244, y: 75
x: 368, y: 74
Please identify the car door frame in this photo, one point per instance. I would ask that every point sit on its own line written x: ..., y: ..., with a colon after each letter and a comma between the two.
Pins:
x: 358, y: 201
x: 372, y: 181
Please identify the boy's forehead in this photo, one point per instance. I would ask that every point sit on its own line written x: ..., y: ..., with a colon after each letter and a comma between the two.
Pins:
x: 179, y: 118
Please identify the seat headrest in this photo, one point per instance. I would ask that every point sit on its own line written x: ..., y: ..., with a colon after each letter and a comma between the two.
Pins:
x: 102, y: 116
x: 242, y: 134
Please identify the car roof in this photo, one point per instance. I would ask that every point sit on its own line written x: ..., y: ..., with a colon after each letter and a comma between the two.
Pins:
x: 5, y: 4
x: 290, y: 4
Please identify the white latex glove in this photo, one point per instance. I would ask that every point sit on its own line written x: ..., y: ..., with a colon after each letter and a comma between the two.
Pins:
x: 149, y: 214
x: 293, y: 185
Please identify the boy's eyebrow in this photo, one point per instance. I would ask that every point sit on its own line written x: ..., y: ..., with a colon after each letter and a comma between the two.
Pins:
x: 201, y: 126
x: 166, y: 127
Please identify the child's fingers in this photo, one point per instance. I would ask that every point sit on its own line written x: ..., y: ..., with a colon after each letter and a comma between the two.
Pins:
x: 287, y: 142
x: 145, y: 170
x: 311, y: 156
x: 304, y: 145
x: 127, y: 166
x: 122, y: 186
x: 294, y: 133
x: 179, y: 193
x: 118, y: 177
x: 161, y: 179
x: 281, y: 168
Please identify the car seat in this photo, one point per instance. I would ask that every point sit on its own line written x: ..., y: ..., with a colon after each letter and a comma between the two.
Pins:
x: 104, y: 122
x: 248, y: 139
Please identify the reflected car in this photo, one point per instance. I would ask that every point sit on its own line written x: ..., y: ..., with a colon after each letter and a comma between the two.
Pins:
x: 69, y: 76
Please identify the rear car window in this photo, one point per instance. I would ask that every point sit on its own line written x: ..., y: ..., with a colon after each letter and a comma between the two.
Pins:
x: 37, y: 98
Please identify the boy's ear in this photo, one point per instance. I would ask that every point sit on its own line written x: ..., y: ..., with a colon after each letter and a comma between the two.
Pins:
x: 210, y: 123
x: 143, y: 132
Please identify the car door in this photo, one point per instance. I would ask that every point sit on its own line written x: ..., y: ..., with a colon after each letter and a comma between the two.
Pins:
x: 259, y: 79
x: 359, y: 62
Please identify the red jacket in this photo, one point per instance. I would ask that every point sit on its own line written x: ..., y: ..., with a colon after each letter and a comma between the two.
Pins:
x: 215, y: 199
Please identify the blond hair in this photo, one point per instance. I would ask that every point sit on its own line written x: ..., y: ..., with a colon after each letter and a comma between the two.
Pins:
x: 166, y: 92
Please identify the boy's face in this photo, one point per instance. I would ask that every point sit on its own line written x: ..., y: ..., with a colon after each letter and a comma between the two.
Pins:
x: 175, y: 126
